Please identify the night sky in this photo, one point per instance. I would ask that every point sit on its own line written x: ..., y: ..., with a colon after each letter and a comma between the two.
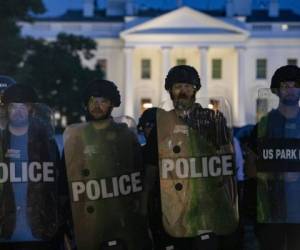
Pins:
x: 57, y: 7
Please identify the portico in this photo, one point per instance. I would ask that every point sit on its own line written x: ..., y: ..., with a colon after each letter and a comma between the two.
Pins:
x: 191, y: 37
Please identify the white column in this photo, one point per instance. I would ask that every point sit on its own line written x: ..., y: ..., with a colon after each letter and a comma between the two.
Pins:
x: 240, y: 99
x: 166, y: 65
x: 203, y: 72
x: 129, y: 88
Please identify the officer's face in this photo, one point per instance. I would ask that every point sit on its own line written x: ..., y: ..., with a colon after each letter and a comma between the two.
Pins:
x: 18, y: 114
x: 183, y: 95
x: 289, y: 93
x: 99, y: 107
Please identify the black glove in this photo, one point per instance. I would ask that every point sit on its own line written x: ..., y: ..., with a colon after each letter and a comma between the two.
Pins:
x: 210, y: 124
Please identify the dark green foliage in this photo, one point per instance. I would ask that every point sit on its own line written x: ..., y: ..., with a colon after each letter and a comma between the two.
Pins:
x: 54, y: 69
x: 12, y: 47
x: 20, y: 9
x: 11, y: 44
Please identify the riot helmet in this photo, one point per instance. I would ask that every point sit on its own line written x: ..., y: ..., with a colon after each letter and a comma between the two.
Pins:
x: 182, y: 74
x: 15, y: 98
x: 101, y: 89
x: 20, y: 93
x: 284, y: 74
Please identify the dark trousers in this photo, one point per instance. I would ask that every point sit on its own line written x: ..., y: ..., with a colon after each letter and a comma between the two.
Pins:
x: 278, y: 236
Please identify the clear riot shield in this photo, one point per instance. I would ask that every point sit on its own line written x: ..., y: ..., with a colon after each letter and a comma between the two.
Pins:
x: 127, y: 120
x: 28, y: 175
x: 278, y: 151
x: 104, y: 169
x: 196, y: 158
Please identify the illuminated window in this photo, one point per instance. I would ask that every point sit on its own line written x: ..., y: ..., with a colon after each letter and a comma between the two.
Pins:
x: 216, y: 68
x: 146, y: 103
x: 292, y: 61
x: 146, y: 69
x: 181, y: 61
x: 261, y: 68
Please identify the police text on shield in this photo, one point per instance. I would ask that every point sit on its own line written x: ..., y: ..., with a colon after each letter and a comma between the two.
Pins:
x: 107, y: 187
x: 30, y: 171
x: 209, y: 166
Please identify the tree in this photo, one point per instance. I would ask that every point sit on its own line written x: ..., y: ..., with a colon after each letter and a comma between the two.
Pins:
x: 11, y: 43
x: 55, y: 70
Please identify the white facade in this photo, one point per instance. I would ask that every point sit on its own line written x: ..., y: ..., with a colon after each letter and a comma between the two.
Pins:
x: 187, y: 34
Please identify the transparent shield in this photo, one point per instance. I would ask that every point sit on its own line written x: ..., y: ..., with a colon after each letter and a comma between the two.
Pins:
x: 28, y: 175
x: 278, y: 151
x: 216, y: 103
x: 127, y: 120
x: 196, y: 157
x: 104, y: 169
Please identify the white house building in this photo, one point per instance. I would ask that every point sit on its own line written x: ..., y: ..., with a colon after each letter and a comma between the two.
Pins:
x: 235, y: 50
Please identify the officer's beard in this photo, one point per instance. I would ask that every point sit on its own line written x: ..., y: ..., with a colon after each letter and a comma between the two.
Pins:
x: 182, y: 102
x: 90, y: 117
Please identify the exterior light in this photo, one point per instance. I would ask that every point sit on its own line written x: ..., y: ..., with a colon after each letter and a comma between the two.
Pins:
x: 284, y: 27
x: 57, y: 115
x: 210, y: 106
x: 147, y: 105
x: 64, y: 121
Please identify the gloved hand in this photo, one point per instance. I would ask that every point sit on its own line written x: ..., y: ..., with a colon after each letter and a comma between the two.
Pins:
x: 210, y: 124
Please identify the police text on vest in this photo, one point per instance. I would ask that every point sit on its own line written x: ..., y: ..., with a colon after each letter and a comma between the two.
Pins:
x: 281, y: 154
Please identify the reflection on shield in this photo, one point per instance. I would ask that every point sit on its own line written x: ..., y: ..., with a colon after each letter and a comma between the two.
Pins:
x: 278, y: 168
x: 127, y: 120
x: 198, y: 189
x: 106, y: 188
x: 28, y: 175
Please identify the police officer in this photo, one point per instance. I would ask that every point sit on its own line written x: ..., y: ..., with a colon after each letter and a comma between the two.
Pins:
x: 276, y: 205
x: 187, y: 210
x: 104, y: 168
x: 29, y: 165
x: 147, y: 121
